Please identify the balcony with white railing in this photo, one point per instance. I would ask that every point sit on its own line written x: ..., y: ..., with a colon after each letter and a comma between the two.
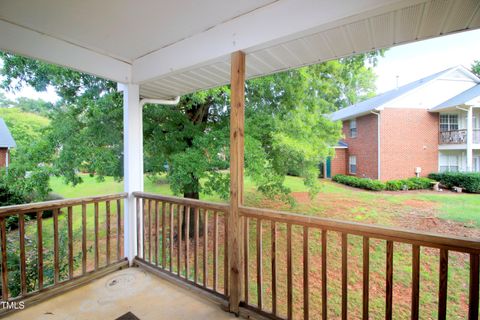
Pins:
x: 459, y: 136
x: 453, y: 137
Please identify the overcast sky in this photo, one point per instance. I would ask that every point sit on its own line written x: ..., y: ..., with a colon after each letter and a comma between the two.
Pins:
x: 413, y: 61
x: 409, y: 62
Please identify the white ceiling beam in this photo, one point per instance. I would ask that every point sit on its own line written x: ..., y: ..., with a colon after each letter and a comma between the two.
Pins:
x: 23, y: 41
x: 275, y: 22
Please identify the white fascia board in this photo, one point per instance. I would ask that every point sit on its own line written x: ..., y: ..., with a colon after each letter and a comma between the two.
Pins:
x: 275, y: 22
x: 30, y: 43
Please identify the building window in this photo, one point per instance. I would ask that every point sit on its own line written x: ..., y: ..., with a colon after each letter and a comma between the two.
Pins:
x: 352, y: 164
x: 448, y: 122
x: 449, y: 162
x: 353, y: 128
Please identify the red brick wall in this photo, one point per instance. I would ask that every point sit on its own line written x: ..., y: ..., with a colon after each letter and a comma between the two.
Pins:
x: 339, y: 162
x: 409, y: 139
x: 3, y: 152
x: 364, y: 146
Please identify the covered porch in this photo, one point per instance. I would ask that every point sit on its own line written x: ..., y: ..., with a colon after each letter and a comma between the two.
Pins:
x: 226, y: 42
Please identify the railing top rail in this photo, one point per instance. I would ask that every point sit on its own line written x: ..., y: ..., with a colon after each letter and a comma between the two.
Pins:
x: 454, y: 130
x: 379, y: 232
x: 46, y: 205
x: 183, y: 201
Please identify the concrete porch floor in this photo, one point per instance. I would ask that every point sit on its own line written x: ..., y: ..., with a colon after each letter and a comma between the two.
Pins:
x: 130, y: 290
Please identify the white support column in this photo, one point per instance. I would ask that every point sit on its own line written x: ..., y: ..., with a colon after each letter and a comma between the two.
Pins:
x: 470, y: 139
x: 132, y: 161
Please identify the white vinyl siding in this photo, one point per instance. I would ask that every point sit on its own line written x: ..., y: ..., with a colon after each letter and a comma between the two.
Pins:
x: 353, y: 128
x: 352, y: 164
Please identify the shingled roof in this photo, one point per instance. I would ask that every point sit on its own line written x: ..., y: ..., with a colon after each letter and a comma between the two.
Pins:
x: 380, y: 100
x: 6, y: 139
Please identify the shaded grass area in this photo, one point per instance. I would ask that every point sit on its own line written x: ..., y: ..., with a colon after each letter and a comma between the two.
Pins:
x: 340, y: 202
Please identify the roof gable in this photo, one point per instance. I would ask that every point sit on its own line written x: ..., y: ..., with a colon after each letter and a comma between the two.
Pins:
x: 6, y: 139
x: 380, y: 101
x: 470, y: 96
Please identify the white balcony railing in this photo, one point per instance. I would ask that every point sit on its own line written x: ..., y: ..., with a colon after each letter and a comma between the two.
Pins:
x: 453, y: 137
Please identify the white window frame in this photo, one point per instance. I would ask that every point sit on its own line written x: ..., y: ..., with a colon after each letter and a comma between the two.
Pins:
x: 353, y: 128
x: 352, y: 161
x: 452, y: 163
x: 449, y: 121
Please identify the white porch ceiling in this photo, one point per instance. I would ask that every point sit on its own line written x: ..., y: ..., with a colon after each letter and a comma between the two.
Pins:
x: 177, y: 47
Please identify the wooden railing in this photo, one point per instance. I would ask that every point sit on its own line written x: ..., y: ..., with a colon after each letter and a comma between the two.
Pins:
x: 281, y: 230
x: 185, y: 238
x: 48, y: 244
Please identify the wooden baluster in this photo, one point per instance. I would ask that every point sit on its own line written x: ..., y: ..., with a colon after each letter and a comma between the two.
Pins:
x: 442, y: 285
x: 274, y: 267
x: 40, y: 249
x: 56, y: 262
x: 306, y: 272
x: 215, y: 249
x: 97, y: 255
x: 144, y: 225
x: 324, y: 274
x: 149, y: 212
x: 23, y: 267
x: 155, y: 237
x: 366, y: 277
x: 3, y: 230
x: 164, y: 236
x: 415, y: 282
x: 119, y: 227
x: 107, y: 221
x: 246, y: 250
x: 473, y: 292
x: 205, y: 249
x: 138, y: 200
x: 179, y: 237
x: 187, y: 242
x: 289, y: 273
x: 389, y: 282
x: 344, y: 276
x: 225, y: 257
x: 84, y: 238
x: 195, y: 250
x: 259, y: 264
x: 70, y: 242
x: 171, y: 237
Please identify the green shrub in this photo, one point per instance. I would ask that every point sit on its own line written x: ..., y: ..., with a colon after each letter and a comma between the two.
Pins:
x: 363, y: 183
x: 469, y: 181
x: 409, y: 184
x: 376, y: 185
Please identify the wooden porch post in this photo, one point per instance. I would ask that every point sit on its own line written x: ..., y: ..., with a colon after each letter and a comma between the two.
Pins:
x: 237, y: 119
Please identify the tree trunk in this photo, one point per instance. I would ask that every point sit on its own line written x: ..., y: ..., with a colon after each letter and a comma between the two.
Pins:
x: 192, y: 195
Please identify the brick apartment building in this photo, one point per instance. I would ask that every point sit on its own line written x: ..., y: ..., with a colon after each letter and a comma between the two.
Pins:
x: 6, y: 143
x: 429, y: 125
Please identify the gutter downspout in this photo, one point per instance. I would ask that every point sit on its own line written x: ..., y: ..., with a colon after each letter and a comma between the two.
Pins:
x: 378, y: 143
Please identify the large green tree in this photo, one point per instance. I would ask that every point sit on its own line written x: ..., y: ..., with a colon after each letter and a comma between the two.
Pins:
x: 286, y: 128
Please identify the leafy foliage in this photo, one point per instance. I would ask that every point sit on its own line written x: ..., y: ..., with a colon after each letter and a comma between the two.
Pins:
x: 285, y: 126
x: 469, y: 181
x: 409, y: 184
x: 25, y: 127
x: 28, y: 176
x: 476, y: 67
x: 363, y: 183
